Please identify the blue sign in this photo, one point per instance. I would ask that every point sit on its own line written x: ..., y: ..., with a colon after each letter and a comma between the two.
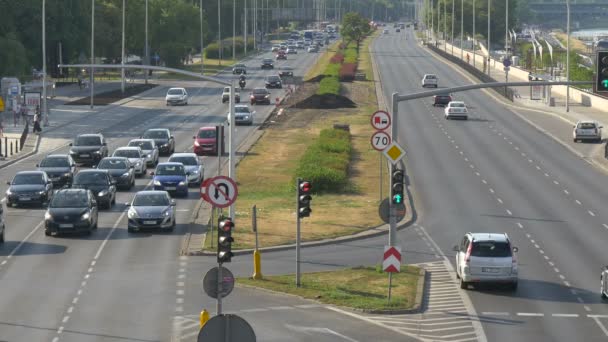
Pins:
x: 156, y: 57
x: 14, y: 90
x: 506, y: 62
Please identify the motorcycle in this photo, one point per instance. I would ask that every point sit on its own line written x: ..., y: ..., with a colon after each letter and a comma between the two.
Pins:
x: 242, y: 84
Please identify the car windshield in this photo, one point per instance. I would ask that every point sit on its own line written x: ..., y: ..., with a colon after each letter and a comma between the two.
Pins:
x: 206, y: 134
x: 461, y: 105
x: 22, y: 179
x: 491, y: 249
x: 151, y: 200
x: 127, y: 153
x: 170, y: 170
x: 586, y: 125
x: 184, y: 160
x: 241, y: 109
x: 175, y: 92
x: 144, y: 145
x: 268, y: 61
x: 55, y: 162
x: 239, y: 66
x: 156, y: 134
x: 88, y: 141
x: 69, y: 199
x: 98, y: 178
x: 273, y: 78
x: 259, y: 91
x: 430, y: 77
x: 112, y: 164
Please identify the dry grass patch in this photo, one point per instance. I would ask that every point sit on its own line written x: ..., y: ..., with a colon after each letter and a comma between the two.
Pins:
x: 322, y: 61
x: 359, y: 287
x: 575, y: 44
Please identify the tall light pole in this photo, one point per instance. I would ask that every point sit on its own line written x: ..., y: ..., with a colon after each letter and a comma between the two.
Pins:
x: 461, y: 26
x: 568, y: 55
x: 474, y: 47
x: 91, y: 78
x: 147, y: 50
x: 489, y: 16
x: 245, y: 26
x: 507, y: 28
x: 453, y: 15
x: 445, y: 30
x: 219, y: 30
x: 234, y: 29
x: 122, y: 54
x: 44, y: 104
x: 200, y: 5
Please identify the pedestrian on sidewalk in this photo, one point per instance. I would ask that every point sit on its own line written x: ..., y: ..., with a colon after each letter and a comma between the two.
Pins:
x: 468, y: 59
x: 36, y: 128
x: 80, y: 82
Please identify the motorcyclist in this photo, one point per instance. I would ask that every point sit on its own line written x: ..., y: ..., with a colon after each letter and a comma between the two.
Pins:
x: 242, y: 81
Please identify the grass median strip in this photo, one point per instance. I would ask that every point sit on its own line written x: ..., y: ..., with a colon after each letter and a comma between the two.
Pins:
x: 358, y: 288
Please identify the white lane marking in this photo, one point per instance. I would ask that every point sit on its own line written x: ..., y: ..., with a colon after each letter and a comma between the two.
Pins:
x: 466, y: 159
x: 546, y: 257
x: 605, y: 225
x: 597, y: 316
x: 596, y: 319
x: 591, y: 212
x: 566, y: 192
x: 541, y: 251
x: 555, y: 182
x: 556, y: 269
x: 318, y: 330
x: 578, y: 202
x: 70, y: 309
x: 179, y: 292
x: 105, y: 241
x: 546, y: 174
x: 533, y: 241
x: 579, y: 299
x: 538, y: 167
x: 509, y: 212
x: 523, y: 154
x: 530, y: 161
x: 588, y: 309
x: 551, y: 263
x: 471, y: 166
x: 564, y: 315
x: 491, y: 190
x: 280, y: 308
x: 519, y: 225
x: 530, y: 314
x: 65, y: 319
x: 60, y: 330
x: 567, y: 283
x: 24, y: 240
x: 490, y: 313
x: 179, y: 300
x: 180, y: 284
x: 484, y: 181
x: 516, y: 148
x: 75, y: 300
x: 499, y: 200
x: 477, y: 174
x: 510, y: 143
x: 536, y: 245
x: 55, y: 339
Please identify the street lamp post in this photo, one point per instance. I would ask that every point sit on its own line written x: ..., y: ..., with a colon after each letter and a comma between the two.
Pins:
x: 489, y: 15
x: 201, y: 17
x: 445, y: 31
x: 219, y: 30
x: 245, y: 26
x: 91, y: 77
x: 474, y: 46
x: 461, y: 27
x: 147, y: 51
x: 233, y: 29
x: 122, y: 53
x: 568, y: 55
x: 453, y: 15
x: 44, y: 110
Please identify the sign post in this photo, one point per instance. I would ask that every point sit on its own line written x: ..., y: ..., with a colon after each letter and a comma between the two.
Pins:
x: 380, y: 140
x: 391, y: 263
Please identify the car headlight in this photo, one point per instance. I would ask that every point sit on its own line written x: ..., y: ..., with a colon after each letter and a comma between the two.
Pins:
x: 196, y: 143
x: 182, y: 183
x: 85, y: 216
x: 194, y: 172
x: 41, y: 192
x: 67, y: 174
x: 132, y: 213
x: 246, y: 117
x: 48, y: 216
x: 97, y: 152
x: 267, y: 96
x: 138, y: 163
x: 157, y: 183
x: 102, y: 193
x: 126, y: 174
x: 148, y: 156
x: 167, y: 213
x: 8, y: 192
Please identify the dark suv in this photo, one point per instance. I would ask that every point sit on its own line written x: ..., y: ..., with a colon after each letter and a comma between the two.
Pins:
x: 273, y: 81
x: 162, y: 138
x: 88, y: 148
x: 59, y: 167
x: 71, y: 211
x: 100, y: 182
x: 267, y: 63
x: 441, y: 100
x: 260, y: 95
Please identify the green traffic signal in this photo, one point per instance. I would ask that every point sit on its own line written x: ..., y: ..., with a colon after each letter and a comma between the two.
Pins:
x: 605, y: 83
x: 397, y: 199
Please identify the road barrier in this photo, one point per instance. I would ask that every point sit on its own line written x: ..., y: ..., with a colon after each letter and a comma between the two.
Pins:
x: 10, y: 146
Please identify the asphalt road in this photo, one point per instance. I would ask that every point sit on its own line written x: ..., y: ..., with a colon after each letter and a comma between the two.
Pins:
x: 111, y: 286
x: 496, y: 173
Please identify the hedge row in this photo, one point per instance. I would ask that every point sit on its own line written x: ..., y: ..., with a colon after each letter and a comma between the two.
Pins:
x: 212, y: 50
x: 337, y: 58
x: 329, y: 86
x: 347, y: 72
x: 325, y: 162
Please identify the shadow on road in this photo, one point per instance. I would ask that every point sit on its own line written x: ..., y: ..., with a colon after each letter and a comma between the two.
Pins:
x: 540, y: 290
x: 31, y: 248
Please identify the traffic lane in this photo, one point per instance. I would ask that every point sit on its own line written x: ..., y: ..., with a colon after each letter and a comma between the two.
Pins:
x: 468, y: 134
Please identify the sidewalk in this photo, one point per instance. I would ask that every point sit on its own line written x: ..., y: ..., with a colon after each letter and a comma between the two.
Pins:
x: 551, y: 120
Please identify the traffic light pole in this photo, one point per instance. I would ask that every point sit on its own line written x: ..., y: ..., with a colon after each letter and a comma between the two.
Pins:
x: 298, y: 234
x: 392, y: 233
x: 218, y: 306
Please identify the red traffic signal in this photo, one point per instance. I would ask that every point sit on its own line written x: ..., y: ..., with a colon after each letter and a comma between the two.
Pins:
x: 305, y: 187
x: 226, y: 225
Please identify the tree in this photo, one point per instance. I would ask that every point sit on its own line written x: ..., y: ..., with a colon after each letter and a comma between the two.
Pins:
x: 354, y: 27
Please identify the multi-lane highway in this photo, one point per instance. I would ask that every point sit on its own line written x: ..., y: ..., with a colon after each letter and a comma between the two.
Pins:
x: 112, y: 285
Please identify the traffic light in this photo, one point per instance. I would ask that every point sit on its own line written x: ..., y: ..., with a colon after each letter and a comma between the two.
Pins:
x: 397, y: 186
x: 304, y: 198
x: 224, y: 239
x: 602, y: 71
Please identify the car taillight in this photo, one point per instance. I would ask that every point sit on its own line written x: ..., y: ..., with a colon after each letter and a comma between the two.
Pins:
x: 467, y: 256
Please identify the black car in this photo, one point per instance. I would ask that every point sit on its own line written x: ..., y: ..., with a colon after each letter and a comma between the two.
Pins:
x: 239, y: 69
x: 60, y: 168
x: 88, y: 148
x: 267, y: 63
x: 100, y: 183
x: 441, y: 100
x: 71, y: 211
x: 29, y: 187
x: 273, y: 81
x: 286, y: 71
x: 120, y: 170
x: 2, y: 224
x: 260, y: 95
x: 162, y: 138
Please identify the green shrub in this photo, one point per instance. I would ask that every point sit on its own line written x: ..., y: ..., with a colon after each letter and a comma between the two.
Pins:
x: 325, y: 162
x: 332, y: 70
x: 351, y: 55
x: 212, y: 50
x: 329, y: 85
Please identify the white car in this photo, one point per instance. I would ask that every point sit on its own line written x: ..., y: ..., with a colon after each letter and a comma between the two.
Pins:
x: 193, y: 166
x: 456, y: 110
x: 429, y: 80
x: 385, y: 31
x: 486, y: 258
x: 148, y: 147
x: 313, y: 48
x: 176, y: 96
x: 135, y: 156
x: 587, y: 130
x: 244, y: 115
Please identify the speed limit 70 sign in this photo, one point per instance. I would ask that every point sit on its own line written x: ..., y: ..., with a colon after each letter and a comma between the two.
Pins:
x: 380, y: 140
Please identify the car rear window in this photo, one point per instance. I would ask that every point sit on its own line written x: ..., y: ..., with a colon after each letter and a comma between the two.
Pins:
x: 586, y: 125
x: 491, y: 249
x: 430, y: 77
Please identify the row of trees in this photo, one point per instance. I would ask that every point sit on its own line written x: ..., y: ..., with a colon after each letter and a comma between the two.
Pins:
x: 438, y: 11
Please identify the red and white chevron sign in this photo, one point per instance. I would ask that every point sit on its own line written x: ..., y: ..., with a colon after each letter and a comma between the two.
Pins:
x: 392, y: 259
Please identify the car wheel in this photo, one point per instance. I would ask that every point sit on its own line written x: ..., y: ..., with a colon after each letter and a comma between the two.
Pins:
x: 463, y: 284
x: 47, y: 232
x: 113, y: 201
x: 602, y: 293
x: 2, y: 236
x: 574, y: 139
x: 130, y: 230
x: 513, y: 287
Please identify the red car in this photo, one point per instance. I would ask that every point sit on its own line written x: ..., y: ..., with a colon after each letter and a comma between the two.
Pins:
x: 281, y: 55
x: 205, y: 141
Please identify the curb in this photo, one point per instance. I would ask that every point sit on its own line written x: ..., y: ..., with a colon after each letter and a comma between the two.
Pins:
x: 415, y: 309
x: 29, y: 154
